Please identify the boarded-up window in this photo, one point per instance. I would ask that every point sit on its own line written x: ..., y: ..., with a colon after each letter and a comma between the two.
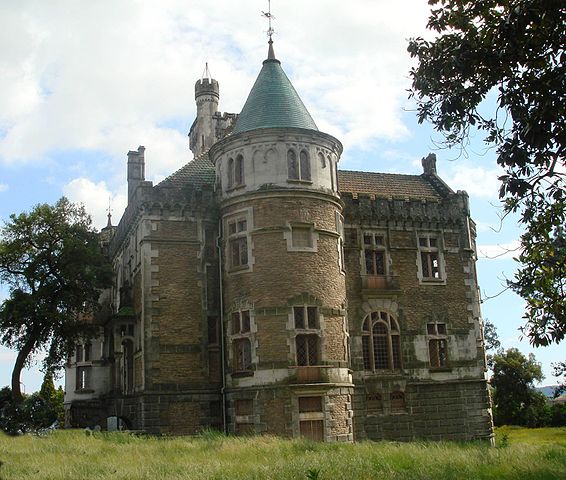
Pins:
x: 244, y: 407
x: 244, y: 429
x: 374, y: 404
x: 397, y: 402
x: 310, y: 404
x: 312, y: 429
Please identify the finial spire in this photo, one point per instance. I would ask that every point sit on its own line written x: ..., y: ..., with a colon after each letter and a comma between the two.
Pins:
x: 109, y: 210
x: 270, y: 31
x: 206, y: 72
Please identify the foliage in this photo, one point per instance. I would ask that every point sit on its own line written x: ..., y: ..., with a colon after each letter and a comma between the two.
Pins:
x: 513, y: 50
x: 68, y: 454
x: 34, y: 413
x: 53, y: 399
x: 515, y: 400
x: 51, y: 261
x: 492, y: 342
x: 560, y: 371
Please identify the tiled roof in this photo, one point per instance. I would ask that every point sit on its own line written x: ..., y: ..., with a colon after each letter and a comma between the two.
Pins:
x: 273, y: 102
x: 385, y: 185
x: 197, y: 172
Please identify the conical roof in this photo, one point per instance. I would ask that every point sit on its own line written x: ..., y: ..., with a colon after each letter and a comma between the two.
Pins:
x: 273, y: 101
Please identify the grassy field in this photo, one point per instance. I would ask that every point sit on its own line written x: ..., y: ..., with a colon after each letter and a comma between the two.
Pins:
x: 521, y: 454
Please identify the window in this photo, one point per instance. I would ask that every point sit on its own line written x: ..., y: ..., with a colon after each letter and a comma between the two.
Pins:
x: 374, y: 404
x: 374, y: 253
x: 430, y: 258
x: 307, y: 339
x: 213, y: 330
x: 241, y: 342
x: 397, y: 402
x: 87, y: 350
x: 300, y: 170
x: 311, y: 418
x: 238, y: 242
x: 301, y: 237
x: 235, y: 172
x: 242, y: 355
x: 239, y: 171
x: 83, y: 378
x: 340, y: 231
x: 230, y: 173
x: 437, y: 345
x: 79, y: 353
x: 381, y: 343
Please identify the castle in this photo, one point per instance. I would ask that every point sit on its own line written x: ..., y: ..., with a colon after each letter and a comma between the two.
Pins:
x: 259, y: 289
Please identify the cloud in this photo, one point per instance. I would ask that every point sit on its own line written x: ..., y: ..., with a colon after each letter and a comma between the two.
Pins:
x: 477, y: 181
x: 65, y: 86
x: 503, y: 251
x: 96, y: 198
x: 3, y: 187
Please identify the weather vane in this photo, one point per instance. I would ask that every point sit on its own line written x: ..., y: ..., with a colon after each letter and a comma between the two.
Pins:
x: 109, y: 210
x: 269, y: 17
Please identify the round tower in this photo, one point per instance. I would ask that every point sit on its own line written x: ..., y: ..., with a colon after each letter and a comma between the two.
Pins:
x: 287, y: 346
x: 207, y: 94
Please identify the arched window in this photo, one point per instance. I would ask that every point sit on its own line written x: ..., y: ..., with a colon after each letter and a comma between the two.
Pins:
x: 239, y: 170
x: 322, y: 160
x: 381, y: 343
x: 305, y: 165
x: 292, y: 165
x: 230, y: 173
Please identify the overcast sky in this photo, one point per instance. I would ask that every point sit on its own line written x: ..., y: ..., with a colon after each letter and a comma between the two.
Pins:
x: 82, y: 82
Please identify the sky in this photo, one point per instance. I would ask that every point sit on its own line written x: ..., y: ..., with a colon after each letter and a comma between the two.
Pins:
x: 83, y: 82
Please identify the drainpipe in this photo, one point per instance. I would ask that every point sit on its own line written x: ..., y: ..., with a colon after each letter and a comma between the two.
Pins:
x: 222, y: 351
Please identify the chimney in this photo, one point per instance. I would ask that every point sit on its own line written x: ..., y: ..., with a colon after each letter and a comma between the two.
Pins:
x: 136, y: 170
x: 429, y: 164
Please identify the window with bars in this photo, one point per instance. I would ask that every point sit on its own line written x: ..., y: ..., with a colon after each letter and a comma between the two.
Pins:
x: 238, y: 242
x: 437, y: 345
x: 430, y: 257
x: 381, y: 342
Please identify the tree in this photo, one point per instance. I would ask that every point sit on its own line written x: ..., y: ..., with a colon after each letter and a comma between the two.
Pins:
x: 513, y: 50
x: 515, y: 401
x: 51, y: 261
x: 492, y: 342
x: 559, y: 370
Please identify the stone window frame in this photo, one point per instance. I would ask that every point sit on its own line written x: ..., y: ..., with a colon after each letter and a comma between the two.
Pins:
x: 374, y: 404
x: 290, y: 239
x: 299, y: 168
x: 437, y: 345
x: 430, y: 257
x: 380, y: 330
x: 238, y: 236
x: 241, y: 341
x: 307, y: 334
x: 375, y: 246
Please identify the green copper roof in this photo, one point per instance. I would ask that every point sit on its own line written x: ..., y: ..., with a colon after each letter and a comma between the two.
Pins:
x: 273, y: 102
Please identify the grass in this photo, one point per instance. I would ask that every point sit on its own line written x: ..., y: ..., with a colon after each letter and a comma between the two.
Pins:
x: 67, y: 454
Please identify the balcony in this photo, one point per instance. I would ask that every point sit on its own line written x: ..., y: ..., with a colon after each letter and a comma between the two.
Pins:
x: 376, y: 285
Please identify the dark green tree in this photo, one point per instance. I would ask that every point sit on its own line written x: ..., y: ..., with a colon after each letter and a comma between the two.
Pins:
x: 512, y: 51
x: 559, y: 370
x: 51, y: 261
x: 515, y: 400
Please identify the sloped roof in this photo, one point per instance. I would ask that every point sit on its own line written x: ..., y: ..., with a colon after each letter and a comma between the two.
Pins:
x: 273, y: 102
x: 197, y: 172
x: 386, y: 185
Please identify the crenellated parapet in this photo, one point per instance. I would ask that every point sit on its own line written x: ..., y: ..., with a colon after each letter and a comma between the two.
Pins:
x: 363, y: 208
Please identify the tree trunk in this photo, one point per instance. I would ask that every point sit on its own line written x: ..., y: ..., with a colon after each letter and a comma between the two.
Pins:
x: 23, y: 355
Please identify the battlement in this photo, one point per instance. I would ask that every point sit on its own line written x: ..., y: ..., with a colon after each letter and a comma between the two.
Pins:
x: 207, y: 86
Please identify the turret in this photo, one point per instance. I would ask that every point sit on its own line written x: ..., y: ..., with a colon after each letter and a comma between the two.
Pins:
x: 202, y: 134
x: 136, y: 170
